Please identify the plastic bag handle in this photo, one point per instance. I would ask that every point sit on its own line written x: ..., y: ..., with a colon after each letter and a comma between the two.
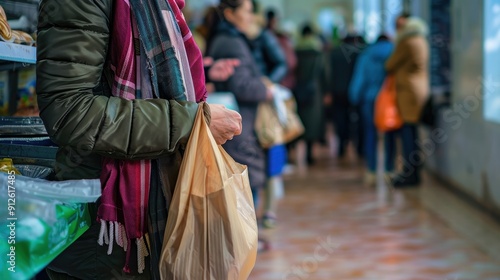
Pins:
x: 201, y: 126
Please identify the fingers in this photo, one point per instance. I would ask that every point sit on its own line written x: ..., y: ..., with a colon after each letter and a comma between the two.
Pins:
x: 240, y: 128
x: 223, y: 69
x: 227, y: 66
x: 226, y: 72
x: 233, y: 62
x: 225, y: 123
x: 220, y: 72
x: 236, y: 122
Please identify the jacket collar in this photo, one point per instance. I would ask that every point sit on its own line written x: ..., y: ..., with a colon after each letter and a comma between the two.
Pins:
x: 228, y: 28
x: 413, y: 27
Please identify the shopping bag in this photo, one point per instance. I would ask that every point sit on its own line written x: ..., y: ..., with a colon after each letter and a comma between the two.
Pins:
x: 294, y: 127
x: 387, y: 116
x: 211, y: 231
x: 268, y: 127
x: 271, y: 131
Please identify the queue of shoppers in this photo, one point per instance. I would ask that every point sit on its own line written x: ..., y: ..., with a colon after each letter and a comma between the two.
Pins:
x: 123, y: 107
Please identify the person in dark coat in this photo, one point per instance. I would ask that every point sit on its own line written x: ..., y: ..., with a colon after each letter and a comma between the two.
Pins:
x: 266, y: 49
x: 272, y: 63
x: 310, y: 87
x: 342, y: 61
x: 227, y: 40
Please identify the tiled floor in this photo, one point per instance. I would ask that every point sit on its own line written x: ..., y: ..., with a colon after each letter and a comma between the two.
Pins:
x: 332, y: 227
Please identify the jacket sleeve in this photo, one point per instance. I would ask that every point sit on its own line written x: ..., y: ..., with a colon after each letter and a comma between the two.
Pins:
x: 245, y: 83
x: 72, y: 46
x: 358, y: 83
x: 275, y: 57
x: 397, y: 58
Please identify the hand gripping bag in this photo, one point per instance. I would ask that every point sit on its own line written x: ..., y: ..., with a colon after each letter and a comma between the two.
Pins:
x: 211, y: 231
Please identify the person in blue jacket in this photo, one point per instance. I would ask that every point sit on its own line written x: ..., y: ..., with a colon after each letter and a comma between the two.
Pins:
x: 369, y: 75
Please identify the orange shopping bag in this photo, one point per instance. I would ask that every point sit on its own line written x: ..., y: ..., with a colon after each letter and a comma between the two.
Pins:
x: 387, y: 116
x: 211, y: 232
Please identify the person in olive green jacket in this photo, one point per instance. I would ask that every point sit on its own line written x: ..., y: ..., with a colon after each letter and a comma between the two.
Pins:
x: 88, y: 123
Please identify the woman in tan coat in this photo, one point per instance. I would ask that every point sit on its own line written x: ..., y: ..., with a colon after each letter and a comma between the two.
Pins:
x: 409, y: 63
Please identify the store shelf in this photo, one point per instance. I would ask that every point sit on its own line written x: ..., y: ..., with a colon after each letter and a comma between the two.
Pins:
x: 17, y: 53
x: 27, y: 151
x: 21, y: 126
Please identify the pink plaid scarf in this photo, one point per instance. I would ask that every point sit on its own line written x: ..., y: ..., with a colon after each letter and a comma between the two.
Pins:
x: 126, y: 183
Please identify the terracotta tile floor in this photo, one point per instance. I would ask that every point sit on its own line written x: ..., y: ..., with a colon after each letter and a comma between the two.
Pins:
x: 332, y: 227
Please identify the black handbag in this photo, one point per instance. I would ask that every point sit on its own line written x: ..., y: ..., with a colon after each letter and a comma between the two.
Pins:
x: 428, y: 115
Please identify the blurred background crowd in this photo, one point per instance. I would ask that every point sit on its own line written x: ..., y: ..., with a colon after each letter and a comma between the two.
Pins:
x: 335, y: 78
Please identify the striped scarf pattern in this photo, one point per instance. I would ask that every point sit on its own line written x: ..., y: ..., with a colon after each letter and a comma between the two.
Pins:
x: 148, y: 60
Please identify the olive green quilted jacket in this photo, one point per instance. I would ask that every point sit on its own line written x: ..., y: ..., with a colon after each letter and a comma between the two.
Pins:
x: 73, y: 83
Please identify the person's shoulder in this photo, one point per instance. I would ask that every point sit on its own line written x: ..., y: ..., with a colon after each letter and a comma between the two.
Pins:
x: 227, y: 45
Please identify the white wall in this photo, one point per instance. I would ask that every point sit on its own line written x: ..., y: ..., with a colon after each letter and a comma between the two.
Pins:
x: 373, y: 17
x: 301, y: 11
x: 470, y: 156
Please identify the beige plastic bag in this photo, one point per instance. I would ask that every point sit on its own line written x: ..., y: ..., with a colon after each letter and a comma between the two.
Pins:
x: 211, y: 230
x: 270, y: 131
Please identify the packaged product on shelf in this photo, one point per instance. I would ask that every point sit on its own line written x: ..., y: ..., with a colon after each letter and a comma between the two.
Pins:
x: 37, y: 242
x: 71, y: 191
x: 2, y: 13
x: 27, y: 104
x: 23, y: 38
x: 45, y: 218
x: 5, y: 31
x: 7, y: 166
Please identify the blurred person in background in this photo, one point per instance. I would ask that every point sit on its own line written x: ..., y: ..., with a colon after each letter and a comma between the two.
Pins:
x: 286, y: 45
x: 409, y: 63
x: 310, y: 87
x: 369, y: 75
x: 342, y: 60
x: 271, y: 60
x: 285, y: 41
x: 216, y: 71
x: 266, y: 49
x: 227, y: 39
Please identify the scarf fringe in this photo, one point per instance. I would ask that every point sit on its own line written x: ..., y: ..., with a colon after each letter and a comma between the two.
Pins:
x: 112, y: 231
